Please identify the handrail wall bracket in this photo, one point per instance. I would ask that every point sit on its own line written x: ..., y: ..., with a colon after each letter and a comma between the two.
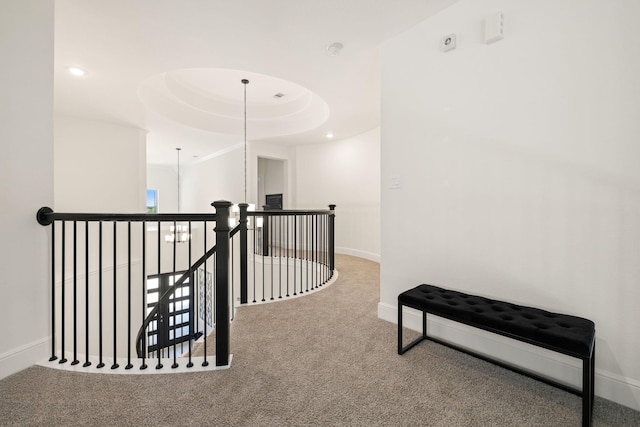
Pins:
x: 45, y: 216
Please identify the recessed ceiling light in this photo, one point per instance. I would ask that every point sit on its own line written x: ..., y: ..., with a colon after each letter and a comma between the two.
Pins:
x: 329, y: 135
x: 334, y: 49
x: 78, y: 72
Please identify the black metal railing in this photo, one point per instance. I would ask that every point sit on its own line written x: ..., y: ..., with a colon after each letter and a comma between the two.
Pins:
x: 117, y: 253
x: 125, y: 287
x: 292, y: 252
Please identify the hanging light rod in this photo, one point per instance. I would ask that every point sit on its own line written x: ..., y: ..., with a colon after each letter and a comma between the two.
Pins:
x: 245, y: 82
x: 178, y: 151
x: 178, y: 233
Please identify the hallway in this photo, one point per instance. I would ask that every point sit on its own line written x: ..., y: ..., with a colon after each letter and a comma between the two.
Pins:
x: 325, y: 359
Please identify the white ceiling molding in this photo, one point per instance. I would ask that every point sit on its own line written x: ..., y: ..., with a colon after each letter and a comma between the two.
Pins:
x: 204, y: 99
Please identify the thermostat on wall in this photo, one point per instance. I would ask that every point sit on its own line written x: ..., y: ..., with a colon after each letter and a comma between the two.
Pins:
x: 493, y: 28
x: 448, y: 42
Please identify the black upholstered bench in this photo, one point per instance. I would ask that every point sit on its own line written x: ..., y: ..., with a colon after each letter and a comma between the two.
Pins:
x: 570, y: 335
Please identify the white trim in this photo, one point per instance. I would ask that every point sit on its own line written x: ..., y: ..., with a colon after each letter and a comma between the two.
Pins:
x: 358, y: 253
x: 325, y: 285
x: 151, y: 365
x: 220, y: 152
x: 22, y: 357
x: 619, y: 389
x: 564, y: 369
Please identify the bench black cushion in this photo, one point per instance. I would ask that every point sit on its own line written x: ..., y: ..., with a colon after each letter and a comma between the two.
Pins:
x: 570, y: 335
x: 560, y: 332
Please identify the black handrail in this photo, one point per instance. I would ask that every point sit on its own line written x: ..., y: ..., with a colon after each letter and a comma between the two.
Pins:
x: 46, y: 216
x: 290, y: 212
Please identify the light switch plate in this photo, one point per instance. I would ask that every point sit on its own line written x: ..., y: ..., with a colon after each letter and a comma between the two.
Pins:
x: 394, y: 182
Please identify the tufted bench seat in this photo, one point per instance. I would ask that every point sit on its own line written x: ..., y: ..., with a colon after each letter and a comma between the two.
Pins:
x: 570, y: 335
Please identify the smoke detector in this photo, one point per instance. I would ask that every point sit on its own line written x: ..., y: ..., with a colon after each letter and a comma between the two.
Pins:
x: 334, y: 49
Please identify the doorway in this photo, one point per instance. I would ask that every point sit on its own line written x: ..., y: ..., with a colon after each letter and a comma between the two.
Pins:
x: 272, y: 180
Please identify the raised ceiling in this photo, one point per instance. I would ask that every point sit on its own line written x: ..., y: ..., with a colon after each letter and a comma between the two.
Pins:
x: 213, y: 100
x: 174, y: 68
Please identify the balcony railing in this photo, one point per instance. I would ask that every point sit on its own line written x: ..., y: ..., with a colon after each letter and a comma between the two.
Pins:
x: 293, y: 253
x: 128, y: 289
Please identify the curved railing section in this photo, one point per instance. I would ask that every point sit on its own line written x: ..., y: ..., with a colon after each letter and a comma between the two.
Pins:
x: 125, y: 287
x: 291, y: 252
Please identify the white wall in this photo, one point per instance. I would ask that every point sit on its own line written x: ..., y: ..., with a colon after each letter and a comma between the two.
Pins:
x: 518, y: 161
x: 98, y: 166
x: 26, y: 173
x: 164, y: 179
x: 219, y: 177
x: 345, y: 173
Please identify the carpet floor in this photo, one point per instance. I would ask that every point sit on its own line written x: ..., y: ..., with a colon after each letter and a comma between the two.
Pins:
x: 324, y: 359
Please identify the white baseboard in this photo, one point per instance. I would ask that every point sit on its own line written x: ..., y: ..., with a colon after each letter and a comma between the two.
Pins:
x: 563, y: 369
x: 22, y: 357
x: 360, y: 254
x: 150, y: 370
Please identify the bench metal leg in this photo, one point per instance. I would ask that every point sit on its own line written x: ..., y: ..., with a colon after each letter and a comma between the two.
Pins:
x: 588, y: 387
x: 401, y: 349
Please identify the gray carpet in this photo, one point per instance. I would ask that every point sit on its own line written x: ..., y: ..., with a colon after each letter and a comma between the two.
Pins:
x: 325, y: 359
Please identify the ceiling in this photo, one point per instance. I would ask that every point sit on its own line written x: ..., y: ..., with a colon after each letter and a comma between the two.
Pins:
x: 174, y: 68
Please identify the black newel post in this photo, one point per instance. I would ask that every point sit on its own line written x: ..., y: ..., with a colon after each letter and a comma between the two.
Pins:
x: 332, y: 238
x: 243, y: 252
x: 222, y: 281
